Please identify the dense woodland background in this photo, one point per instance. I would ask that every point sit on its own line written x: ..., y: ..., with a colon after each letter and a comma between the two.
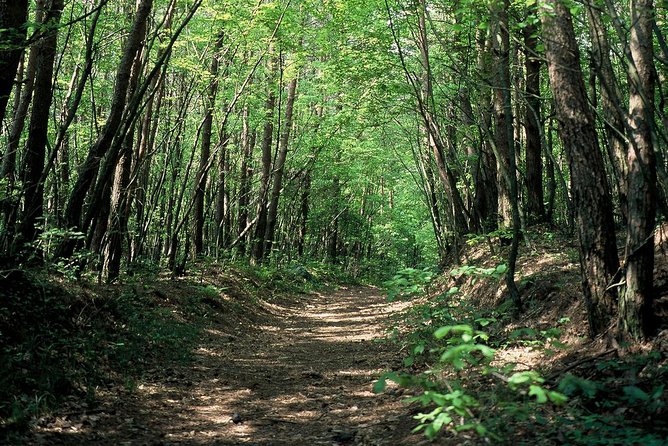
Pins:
x: 368, y: 134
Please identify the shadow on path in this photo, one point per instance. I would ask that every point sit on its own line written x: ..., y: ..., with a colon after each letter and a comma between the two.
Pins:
x: 303, y: 377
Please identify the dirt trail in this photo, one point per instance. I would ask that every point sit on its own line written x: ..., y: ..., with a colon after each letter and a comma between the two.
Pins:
x: 303, y: 378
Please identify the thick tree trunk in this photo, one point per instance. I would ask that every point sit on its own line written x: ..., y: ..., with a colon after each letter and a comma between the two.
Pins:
x: 13, y: 17
x: 33, y: 185
x: 272, y: 213
x: 636, y: 316
x: 590, y: 190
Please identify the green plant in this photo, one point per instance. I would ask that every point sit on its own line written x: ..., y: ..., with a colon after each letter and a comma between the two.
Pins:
x: 477, y: 272
x: 408, y: 282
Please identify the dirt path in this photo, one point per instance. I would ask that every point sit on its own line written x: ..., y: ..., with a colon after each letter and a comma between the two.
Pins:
x: 304, y: 378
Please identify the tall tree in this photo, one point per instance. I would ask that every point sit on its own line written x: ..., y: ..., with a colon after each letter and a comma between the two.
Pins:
x: 33, y: 185
x: 88, y: 170
x: 279, y: 167
x: 265, y: 180
x: 532, y: 120
x: 13, y: 17
x: 635, y: 307
x: 591, y: 193
x: 205, y: 154
x: 611, y: 103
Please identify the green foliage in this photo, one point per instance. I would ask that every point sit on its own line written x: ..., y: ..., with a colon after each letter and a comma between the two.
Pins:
x: 408, y: 282
x: 477, y: 272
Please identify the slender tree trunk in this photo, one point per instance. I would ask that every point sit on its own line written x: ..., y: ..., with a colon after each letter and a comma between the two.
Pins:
x: 613, y: 115
x: 636, y: 316
x: 591, y: 193
x: 426, y: 105
x: 89, y: 168
x: 204, y: 163
x: 13, y: 17
x: 246, y: 173
x: 267, y: 138
x: 21, y: 111
x: 33, y: 185
x: 534, y: 160
x: 222, y: 193
x: 272, y: 213
x: 303, y: 213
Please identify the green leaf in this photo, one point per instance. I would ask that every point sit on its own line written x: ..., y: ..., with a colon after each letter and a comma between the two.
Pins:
x: 635, y: 394
x: 380, y: 385
x: 444, y: 331
x: 538, y: 392
x: 557, y: 398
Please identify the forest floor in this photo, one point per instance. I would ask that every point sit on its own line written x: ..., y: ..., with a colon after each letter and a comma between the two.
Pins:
x: 300, y: 374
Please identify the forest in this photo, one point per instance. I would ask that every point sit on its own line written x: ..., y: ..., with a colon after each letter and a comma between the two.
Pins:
x: 301, y: 222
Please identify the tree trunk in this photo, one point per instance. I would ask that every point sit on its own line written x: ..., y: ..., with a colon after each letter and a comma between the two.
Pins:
x: 246, y: 173
x: 303, y: 213
x: 436, y: 143
x: 88, y: 169
x: 505, y: 152
x: 267, y: 138
x: 13, y: 17
x: 590, y: 190
x: 534, y: 160
x: 33, y: 185
x: 636, y: 316
x: 118, y: 215
x: 204, y: 163
x: 613, y: 116
x: 503, y: 117
x: 279, y: 167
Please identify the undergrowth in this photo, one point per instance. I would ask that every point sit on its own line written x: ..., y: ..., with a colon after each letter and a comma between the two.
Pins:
x: 452, y: 370
x: 58, y: 341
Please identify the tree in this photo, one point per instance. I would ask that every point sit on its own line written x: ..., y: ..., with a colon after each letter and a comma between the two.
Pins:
x: 635, y: 304
x: 591, y: 194
x: 13, y: 17
x: 33, y: 185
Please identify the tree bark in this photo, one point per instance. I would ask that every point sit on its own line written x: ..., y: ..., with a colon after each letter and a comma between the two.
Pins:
x: 534, y: 159
x: 590, y: 190
x: 267, y: 138
x: 246, y: 173
x: 33, y: 185
x: 636, y: 316
x: 279, y: 166
x: 204, y: 163
x: 503, y: 116
x: 611, y: 105
x: 13, y: 17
